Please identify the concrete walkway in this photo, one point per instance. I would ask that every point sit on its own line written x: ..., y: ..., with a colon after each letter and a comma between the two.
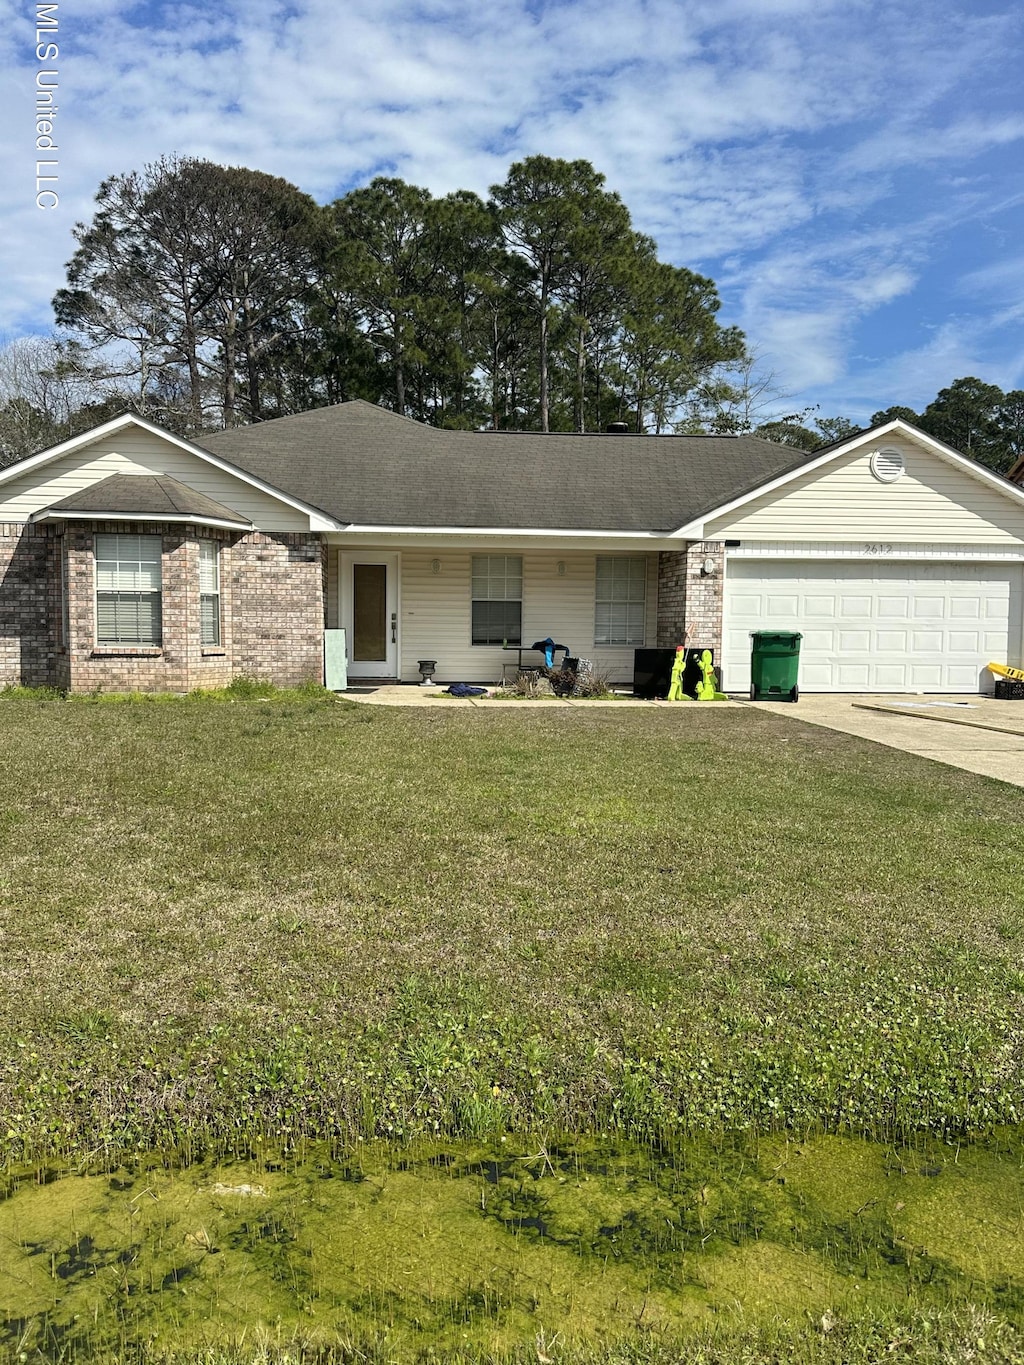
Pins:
x: 981, y: 735
x: 411, y: 694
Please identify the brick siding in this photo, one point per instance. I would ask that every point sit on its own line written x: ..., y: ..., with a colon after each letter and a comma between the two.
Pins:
x: 272, y: 610
x: 30, y: 605
x: 690, y: 601
x: 277, y: 597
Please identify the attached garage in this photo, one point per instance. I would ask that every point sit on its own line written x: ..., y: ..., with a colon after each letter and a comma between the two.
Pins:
x: 897, y: 626
x: 899, y: 560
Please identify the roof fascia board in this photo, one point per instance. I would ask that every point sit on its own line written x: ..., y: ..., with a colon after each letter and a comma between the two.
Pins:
x: 694, y: 530
x: 69, y: 514
x: 318, y: 520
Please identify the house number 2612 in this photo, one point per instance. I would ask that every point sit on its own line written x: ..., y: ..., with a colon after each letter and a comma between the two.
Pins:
x: 877, y: 548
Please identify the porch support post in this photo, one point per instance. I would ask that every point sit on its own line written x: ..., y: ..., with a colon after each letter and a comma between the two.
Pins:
x: 689, y: 599
x: 671, y: 598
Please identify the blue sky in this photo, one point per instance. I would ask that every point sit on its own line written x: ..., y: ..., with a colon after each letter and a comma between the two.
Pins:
x: 850, y: 172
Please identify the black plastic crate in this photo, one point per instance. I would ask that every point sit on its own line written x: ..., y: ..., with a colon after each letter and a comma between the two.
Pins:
x: 1009, y: 689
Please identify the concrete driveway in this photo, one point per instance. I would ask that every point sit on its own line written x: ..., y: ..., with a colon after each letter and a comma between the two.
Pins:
x: 977, y: 733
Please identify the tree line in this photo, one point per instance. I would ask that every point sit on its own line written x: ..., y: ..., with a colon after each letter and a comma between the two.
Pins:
x: 974, y: 417
x: 215, y: 295
x: 208, y: 296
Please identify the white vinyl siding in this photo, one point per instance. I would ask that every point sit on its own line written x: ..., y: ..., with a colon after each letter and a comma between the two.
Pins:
x: 209, y: 592
x: 436, y: 613
x: 497, y: 594
x: 141, y: 452
x: 934, y: 501
x: 128, y: 590
x: 620, y: 600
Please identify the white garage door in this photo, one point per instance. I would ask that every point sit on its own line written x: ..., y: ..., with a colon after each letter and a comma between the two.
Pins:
x: 886, y: 627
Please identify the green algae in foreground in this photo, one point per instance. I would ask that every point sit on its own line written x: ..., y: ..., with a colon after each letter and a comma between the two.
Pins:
x: 457, y: 1248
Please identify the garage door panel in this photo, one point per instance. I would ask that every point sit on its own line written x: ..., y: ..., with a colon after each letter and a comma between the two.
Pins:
x: 854, y: 641
x: 927, y: 676
x: 891, y: 676
x: 857, y: 607
x: 966, y: 608
x: 926, y: 642
x: 926, y: 607
x: 747, y: 604
x: 963, y: 678
x: 853, y: 675
x: 891, y: 641
x: 887, y: 626
x: 776, y: 606
x: 964, y: 642
x: 893, y: 608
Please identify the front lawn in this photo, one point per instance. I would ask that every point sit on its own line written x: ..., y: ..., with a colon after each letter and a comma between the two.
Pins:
x: 273, y: 919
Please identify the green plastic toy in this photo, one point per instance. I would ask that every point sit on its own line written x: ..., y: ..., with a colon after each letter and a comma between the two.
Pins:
x: 675, y: 687
x: 707, y: 688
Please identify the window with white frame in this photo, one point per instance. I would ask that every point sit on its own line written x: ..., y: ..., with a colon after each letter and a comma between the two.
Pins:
x: 497, y: 599
x: 620, y: 605
x: 209, y: 592
x: 128, y: 590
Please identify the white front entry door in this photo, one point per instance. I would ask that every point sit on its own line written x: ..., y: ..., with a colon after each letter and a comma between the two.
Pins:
x: 369, y: 613
x: 876, y: 627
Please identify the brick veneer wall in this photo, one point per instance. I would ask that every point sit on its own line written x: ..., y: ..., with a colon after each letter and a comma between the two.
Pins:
x: 122, y: 668
x: 30, y: 605
x: 690, y: 601
x: 272, y: 610
x: 277, y: 601
x: 671, y: 598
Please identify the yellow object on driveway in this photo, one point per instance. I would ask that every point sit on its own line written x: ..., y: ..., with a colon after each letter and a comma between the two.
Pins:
x: 1005, y: 671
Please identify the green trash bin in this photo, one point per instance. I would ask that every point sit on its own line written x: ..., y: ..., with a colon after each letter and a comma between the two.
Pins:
x: 774, y: 663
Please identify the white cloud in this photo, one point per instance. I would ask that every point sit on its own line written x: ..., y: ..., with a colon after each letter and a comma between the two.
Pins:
x: 765, y: 142
x: 916, y: 146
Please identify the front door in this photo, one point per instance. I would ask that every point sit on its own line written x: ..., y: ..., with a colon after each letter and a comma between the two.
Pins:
x: 369, y: 614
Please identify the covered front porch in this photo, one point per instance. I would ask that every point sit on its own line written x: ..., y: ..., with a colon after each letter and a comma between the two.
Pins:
x: 458, y: 601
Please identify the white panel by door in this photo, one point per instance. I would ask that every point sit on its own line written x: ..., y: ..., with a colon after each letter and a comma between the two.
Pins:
x: 875, y: 627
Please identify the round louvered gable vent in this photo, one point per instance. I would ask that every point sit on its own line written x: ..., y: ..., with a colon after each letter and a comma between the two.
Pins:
x: 887, y: 465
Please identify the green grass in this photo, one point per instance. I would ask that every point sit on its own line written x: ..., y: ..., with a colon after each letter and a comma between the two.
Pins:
x: 229, y: 933
x: 286, y: 918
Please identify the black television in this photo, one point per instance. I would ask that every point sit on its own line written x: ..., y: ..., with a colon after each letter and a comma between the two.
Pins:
x: 652, y: 672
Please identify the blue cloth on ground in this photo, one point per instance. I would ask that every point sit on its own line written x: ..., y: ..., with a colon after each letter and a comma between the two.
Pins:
x: 465, y: 690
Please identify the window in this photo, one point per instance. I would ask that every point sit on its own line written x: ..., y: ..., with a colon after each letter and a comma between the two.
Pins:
x: 128, y: 590
x: 620, y: 605
x: 497, y: 599
x: 209, y: 593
